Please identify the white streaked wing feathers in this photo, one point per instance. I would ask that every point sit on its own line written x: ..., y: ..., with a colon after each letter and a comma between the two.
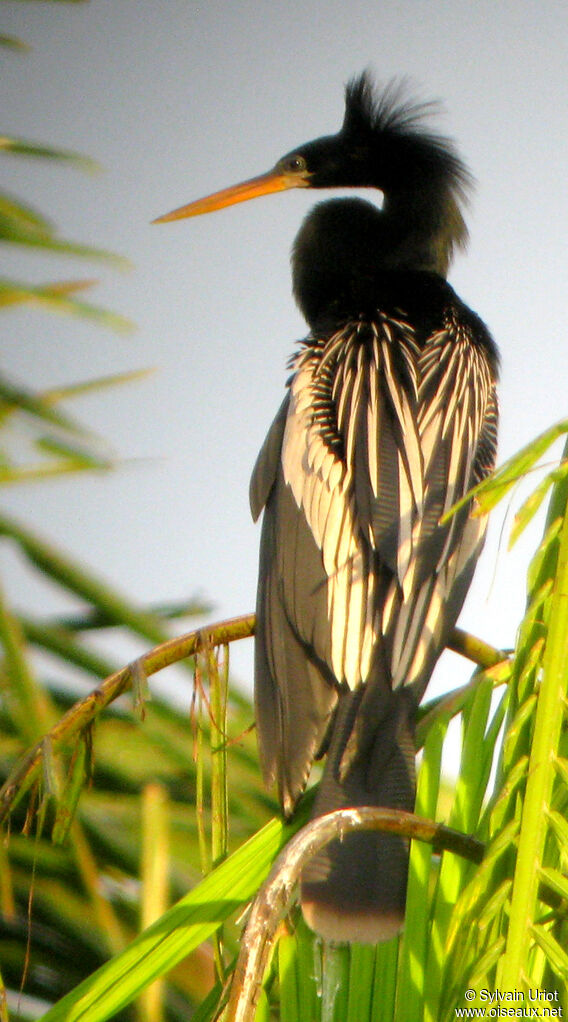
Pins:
x: 434, y: 409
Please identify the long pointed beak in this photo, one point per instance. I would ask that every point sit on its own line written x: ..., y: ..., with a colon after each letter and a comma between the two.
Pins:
x: 264, y: 184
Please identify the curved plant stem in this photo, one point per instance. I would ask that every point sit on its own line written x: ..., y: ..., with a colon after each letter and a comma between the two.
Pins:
x: 274, y: 896
x: 82, y: 714
x: 134, y: 675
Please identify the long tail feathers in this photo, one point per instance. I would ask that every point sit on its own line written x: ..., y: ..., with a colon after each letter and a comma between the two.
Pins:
x: 355, y: 888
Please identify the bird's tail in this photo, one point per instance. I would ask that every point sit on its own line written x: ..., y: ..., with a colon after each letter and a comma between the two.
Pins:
x: 355, y: 888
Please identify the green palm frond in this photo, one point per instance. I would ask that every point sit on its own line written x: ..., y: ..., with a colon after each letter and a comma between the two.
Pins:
x: 520, y: 942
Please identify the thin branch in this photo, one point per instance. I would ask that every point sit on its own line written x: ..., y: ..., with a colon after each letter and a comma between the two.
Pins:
x: 275, y: 894
x: 475, y: 649
x: 449, y: 705
x: 82, y: 714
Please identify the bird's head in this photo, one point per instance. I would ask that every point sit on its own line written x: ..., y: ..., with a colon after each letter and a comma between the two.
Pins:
x: 384, y: 144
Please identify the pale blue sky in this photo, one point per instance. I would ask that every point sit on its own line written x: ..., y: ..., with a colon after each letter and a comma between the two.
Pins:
x: 182, y: 98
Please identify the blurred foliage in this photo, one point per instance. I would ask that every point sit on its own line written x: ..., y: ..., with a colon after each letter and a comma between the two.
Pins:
x: 509, y: 930
x: 103, y: 909
x: 80, y: 877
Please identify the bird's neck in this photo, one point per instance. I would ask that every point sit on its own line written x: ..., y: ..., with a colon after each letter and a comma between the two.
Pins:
x: 346, y: 247
x: 421, y: 230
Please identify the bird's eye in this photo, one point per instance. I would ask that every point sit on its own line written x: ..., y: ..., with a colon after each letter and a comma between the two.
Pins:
x: 294, y: 164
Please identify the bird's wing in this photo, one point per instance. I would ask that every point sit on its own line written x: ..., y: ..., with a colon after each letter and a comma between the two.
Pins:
x: 457, y: 411
x: 318, y: 612
x: 266, y: 466
x: 375, y: 398
x: 295, y: 695
x: 382, y: 438
x: 359, y: 582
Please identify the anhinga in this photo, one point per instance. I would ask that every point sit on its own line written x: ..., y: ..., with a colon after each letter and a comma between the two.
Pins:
x: 390, y: 417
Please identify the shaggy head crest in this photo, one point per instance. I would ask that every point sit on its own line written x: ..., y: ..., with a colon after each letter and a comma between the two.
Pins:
x: 393, y: 115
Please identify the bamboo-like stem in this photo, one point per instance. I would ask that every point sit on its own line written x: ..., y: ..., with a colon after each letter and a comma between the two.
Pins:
x: 155, y: 883
x: 218, y: 694
x: 198, y: 759
x: 103, y: 908
x: 219, y: 674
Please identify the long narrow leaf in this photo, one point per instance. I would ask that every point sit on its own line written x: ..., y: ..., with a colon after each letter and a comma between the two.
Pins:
x: 414, y: 946
x: 24, y: 147
x: 18, y: 398
x: 54, y: 299
x: 55, y: 395
x: 553, y: 692
x: 11, y: 42
x: 22, y: 224
x: 80, y: 581
x: 529, y: 508
x: 183, y: 928
x: 492, y: 490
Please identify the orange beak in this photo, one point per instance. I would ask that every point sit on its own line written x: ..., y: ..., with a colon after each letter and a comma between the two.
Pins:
x: 274, y: 181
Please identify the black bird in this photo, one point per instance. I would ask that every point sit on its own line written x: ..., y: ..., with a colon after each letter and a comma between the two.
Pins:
x: 390, y: 417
